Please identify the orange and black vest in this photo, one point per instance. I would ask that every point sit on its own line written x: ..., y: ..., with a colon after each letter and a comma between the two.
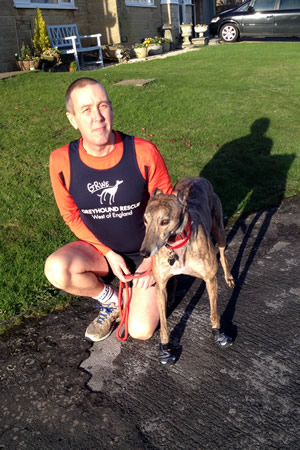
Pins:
x: 111, y: 202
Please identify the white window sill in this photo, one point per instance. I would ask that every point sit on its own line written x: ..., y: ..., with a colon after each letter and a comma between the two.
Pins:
x: 139, y: 5
x: 43, y: 6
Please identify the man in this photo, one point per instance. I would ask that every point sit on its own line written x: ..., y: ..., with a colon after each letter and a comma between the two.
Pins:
x: 101, y: 184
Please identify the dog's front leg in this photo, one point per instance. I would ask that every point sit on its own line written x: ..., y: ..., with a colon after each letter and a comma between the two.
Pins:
x: 220, y: 338
x: 165, y: 354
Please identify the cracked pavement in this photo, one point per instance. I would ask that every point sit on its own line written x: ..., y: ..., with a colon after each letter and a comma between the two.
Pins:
x: 59, y: 391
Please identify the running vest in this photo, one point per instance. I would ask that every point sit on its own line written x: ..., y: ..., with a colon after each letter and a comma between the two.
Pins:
x: 111, y: 202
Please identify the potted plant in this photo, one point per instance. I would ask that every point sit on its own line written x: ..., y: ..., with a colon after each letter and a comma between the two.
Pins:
x: 140, y: 50
x: 24, y: 59
x: 200, y: 29
x: 50, y: 59
x: 73, y: 66
x: 166, y: 44
x: 186, y: 32
x: 154, y: 45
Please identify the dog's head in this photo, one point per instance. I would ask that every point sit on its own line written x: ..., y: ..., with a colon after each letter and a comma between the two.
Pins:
x: 164, y: 217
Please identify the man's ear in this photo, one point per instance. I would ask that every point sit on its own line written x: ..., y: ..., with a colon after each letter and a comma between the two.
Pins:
x: 72, y: 120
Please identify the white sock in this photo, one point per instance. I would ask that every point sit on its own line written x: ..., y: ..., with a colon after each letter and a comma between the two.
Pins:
x: 108, y: 295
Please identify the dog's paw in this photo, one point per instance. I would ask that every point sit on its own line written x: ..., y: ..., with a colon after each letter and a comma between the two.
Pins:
x: 221, y: 339
x: 165, y: 356
x: 230, y: 281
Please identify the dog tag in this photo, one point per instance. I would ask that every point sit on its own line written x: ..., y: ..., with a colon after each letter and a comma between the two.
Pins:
x: 172, y: 258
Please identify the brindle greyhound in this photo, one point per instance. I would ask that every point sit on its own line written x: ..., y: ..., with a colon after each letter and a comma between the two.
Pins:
x: 178, y: 231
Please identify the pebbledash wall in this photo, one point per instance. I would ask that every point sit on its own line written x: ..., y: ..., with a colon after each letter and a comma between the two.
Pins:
x: 119, y: 21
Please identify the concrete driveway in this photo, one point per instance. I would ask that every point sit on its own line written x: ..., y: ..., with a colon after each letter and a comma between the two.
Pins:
x: 57, y: 391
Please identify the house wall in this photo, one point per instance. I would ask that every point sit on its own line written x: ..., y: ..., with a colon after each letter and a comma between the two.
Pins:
x: 17, y: 25
x: 137, y: 23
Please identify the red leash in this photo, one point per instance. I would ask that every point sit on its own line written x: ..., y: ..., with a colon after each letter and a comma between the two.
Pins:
x: 124, y: 312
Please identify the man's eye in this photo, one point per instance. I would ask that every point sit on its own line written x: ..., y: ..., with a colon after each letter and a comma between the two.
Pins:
x: 165, y: 222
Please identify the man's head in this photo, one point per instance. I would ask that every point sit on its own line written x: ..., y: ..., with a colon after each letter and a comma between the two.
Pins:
x: 89, y: 110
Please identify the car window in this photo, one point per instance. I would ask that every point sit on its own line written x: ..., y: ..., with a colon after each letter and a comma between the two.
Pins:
x: 289, y: 4
x: 244, y: 7
x: 264, y: 5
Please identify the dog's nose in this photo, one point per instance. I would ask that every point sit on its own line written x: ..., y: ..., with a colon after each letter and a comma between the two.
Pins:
x: 144, y: 253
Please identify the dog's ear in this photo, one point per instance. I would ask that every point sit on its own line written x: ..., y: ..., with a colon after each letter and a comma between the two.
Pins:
x: 182, y: 198
x: 156, y: 191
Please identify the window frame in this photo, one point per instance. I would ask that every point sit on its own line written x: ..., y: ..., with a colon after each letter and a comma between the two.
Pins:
x: 253, y: 3
x: 141, y: 3
x: 286, y: 9
x: 59, y: 5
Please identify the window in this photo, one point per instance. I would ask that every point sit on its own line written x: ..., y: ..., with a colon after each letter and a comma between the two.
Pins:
x: 144, y: 3
x: 50, y: 4
x: 244, y: 7
x: 289, y: 4
x: 264, y: 5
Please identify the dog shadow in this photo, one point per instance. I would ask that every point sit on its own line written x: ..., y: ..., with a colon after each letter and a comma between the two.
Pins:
x: 254, y: 172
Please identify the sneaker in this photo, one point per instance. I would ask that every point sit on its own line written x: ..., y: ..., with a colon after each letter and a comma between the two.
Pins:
x: 103, y: 325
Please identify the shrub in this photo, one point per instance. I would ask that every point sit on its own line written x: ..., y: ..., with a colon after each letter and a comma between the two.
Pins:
x: 41, y: 40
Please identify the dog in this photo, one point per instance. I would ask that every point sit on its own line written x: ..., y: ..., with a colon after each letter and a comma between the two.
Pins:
x: 178, y: 236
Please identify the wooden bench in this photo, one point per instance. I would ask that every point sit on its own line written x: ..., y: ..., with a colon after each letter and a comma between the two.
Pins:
x: 66, y: 38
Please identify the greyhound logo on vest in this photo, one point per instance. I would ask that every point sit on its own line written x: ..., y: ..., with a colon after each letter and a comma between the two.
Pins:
x: 111, y: 191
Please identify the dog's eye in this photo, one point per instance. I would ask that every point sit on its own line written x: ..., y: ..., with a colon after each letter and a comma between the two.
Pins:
x: 145, y: 220
x: 165, y: 222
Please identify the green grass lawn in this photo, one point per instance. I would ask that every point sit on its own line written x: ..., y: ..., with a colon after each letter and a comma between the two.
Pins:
x: 229, y: 112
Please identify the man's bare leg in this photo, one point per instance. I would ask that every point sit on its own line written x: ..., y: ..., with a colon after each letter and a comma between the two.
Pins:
x: 143, y: 313
x: 75, y: 268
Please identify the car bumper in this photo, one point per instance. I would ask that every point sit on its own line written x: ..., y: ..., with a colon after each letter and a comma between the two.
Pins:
x: 214, y: 29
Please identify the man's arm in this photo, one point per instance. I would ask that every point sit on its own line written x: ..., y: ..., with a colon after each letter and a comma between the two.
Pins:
x: 153, y: 167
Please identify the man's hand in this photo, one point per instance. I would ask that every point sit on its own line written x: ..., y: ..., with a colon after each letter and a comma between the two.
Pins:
x: 117, y: 265
x: 146, y: 281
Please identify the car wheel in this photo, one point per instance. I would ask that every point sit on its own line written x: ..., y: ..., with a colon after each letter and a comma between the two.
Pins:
x: 229, y: 32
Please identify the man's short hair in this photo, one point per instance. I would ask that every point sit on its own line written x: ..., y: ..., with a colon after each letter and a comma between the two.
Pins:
x: 79, y: 83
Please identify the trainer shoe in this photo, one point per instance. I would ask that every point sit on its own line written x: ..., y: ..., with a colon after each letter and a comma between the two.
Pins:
x: 103, y: 325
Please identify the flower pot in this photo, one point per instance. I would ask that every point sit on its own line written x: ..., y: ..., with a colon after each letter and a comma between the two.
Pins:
x: 154, y: 49
x: 166, y: 47
x: 186, y: 32
x: 140, y: 52
x: 26, y: 65
x: 48, y: 58
x: 200, y: 29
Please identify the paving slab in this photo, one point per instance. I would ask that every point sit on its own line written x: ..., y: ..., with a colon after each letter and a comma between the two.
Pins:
x: 139, y: 82
x: 58, y: 391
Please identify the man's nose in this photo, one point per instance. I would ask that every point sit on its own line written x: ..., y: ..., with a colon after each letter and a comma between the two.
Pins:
x: 97, y: 115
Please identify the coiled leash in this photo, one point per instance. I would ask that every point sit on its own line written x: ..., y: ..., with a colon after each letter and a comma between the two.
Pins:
x: 124, y: 311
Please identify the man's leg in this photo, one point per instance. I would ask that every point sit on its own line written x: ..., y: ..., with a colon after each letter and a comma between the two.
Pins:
x: 75, y: 268
x: 143, y: 313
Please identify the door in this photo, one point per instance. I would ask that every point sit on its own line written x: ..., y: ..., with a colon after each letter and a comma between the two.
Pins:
x: 287, y: 18
x: 259, y: 20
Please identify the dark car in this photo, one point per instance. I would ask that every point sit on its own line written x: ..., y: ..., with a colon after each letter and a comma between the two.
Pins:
x: 258, y: 18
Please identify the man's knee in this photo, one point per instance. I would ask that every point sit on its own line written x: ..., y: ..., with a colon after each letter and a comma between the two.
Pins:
x: 56, y: 271
x: 140, y: 330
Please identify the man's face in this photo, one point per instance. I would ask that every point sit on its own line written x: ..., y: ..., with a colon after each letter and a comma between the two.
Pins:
x: 92, y: 114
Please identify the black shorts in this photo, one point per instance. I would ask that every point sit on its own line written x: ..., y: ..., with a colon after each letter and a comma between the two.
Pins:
x: 133, y: 260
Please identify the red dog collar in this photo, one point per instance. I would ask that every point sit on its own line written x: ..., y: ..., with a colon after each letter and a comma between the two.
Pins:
x: 186, y: 234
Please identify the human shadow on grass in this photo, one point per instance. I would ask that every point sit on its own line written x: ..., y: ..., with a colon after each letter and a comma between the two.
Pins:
x: 253, y: 173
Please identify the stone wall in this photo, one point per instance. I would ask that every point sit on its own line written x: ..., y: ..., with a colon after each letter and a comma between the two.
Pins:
x: 137, y: 23
x: 17, y: 25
